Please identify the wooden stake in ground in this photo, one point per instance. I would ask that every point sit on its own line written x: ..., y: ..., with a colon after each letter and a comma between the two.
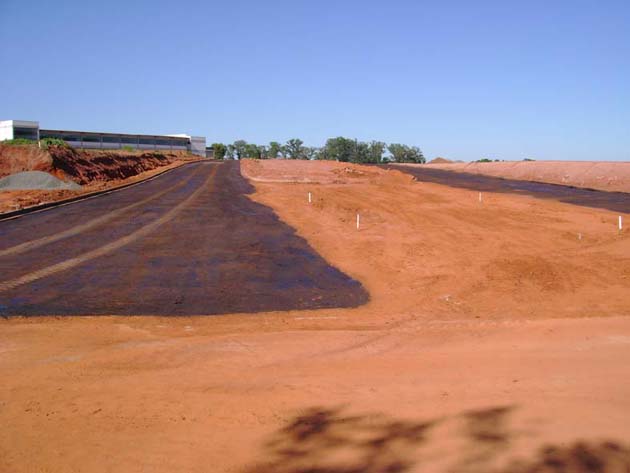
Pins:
x: 620, y: 223
x: 480, y: 197
x: 358, y: 221
x: 309, y: 198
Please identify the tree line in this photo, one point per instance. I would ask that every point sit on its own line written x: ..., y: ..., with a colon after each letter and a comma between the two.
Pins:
x: 336, y: 149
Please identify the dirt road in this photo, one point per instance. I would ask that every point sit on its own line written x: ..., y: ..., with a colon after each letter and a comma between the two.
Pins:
x: 614, y: 201
x: 494, y: 340
x: 609, y: 176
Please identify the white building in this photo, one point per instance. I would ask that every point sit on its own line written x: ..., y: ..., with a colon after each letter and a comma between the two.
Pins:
x: 16, y: 129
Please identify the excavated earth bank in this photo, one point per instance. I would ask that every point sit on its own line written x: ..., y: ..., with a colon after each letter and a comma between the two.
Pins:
x: 93, y: 170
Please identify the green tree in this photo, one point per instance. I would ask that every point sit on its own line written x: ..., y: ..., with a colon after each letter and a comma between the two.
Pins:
x: 274, y: 150
x: 406, y: 154
x: 219, y: 150
x: 251, y: 151
x: 339, y: 149
x: 263, y: 152
x: 239, y: 148
x: 311, y: 152
x: 229, y: 152
x: 294, y: 149
x: 361, y: 152
x: 377, y: 148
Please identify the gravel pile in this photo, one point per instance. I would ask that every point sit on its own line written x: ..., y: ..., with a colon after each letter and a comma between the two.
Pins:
x: 35, y: 180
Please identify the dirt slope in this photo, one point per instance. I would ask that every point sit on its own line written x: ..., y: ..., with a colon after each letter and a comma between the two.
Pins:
x: 315, y: 172
x: 94, y: 170
x: 429, y: 248
x: 607, y: 176
x: 85, y: 167
x: 23, y: 158
x: 495, y: 341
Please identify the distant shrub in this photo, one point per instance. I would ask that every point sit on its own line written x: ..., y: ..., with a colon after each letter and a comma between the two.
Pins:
x: 484, y: 160
x: 19, y: 142
x: 529, y: 159
x: 47, y: 142
x: 127, y: 148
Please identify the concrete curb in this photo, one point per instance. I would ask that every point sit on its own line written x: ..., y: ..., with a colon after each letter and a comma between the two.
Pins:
x: 58, y: 203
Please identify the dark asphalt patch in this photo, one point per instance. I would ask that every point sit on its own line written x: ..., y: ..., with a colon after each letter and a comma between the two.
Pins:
x: 615, y: 201
x: 222, y: 254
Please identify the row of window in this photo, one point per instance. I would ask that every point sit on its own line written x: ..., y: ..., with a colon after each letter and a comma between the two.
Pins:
x: 25, y: 133
x: 116, y: 140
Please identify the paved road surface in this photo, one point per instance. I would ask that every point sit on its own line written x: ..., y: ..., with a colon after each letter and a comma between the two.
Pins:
x: 189, y: 242
x: 615, y: 201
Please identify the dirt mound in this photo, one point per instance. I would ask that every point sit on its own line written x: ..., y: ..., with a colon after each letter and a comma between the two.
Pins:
x: 85, y: 167
x: 94, y: 170
x: 35, y: 180
x: 15, y: 159
x: 440, y: 161
x: 314, y: 172
x: 607, y: 176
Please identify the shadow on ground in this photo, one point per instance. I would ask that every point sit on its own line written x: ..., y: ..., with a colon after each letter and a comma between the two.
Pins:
x: 327, y: 440
x: 615, y: 201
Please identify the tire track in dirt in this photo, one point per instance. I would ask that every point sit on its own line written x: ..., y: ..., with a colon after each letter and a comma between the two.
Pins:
x: 103, y: 250
x: 31, y: 245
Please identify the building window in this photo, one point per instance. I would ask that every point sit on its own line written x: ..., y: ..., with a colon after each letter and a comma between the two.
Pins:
x: 58, y: 136
x: 25, y: 133
x: 91, y: 139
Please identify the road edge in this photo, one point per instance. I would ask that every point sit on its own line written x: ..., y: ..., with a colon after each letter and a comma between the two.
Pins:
x: 71, y: 200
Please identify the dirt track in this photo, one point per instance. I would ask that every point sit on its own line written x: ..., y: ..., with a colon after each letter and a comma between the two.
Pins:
x: 611, y: 176
x: 614, y: 201
x: 492, y: 332
x: 123, y: 254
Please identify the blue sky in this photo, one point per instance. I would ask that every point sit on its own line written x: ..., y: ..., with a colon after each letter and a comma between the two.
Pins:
x: 460, y: 79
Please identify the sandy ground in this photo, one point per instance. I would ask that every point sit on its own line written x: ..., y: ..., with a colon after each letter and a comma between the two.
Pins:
x: 495, y: 340
x: 601, y: 175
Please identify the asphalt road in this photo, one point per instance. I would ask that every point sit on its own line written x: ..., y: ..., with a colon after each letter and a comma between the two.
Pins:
x: 189, y: 242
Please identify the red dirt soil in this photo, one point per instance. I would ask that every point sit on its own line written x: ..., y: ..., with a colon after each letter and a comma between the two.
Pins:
x: 315, y: 172
x: 94, y: 170
x: 606, y: 176
x: 494, y: 341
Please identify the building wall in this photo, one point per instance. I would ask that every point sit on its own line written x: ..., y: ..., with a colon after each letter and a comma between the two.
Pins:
x: 6, y: 130
x: 15, y: 129
x: 11, y: 129
x: 107, y: 141
x: 198, y: 145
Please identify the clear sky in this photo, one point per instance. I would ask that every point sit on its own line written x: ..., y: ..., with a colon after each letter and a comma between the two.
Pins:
x: 460, y: 79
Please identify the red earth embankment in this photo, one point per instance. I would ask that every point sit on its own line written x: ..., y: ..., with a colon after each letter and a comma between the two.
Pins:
x: 496, y: 340
x: 315, y: 172
x: 606, y: 176
x: 94, y: 170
